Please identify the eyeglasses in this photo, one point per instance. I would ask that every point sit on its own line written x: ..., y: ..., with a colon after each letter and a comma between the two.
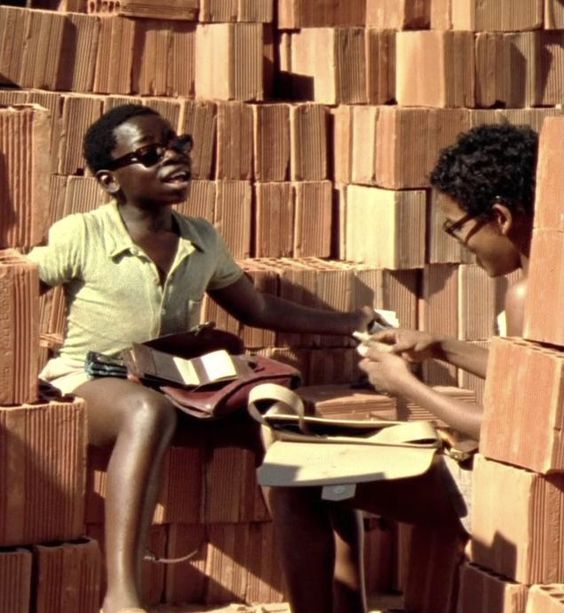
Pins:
x: 452, y: 228
x: 152, y: 154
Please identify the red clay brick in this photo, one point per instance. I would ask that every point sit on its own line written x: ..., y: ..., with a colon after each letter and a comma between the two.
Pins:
x: 408, y: 141
x: 12, y: 44
x: 240, y: 558
x: 41, y: 61
x: 531, y: 403
x: 186, y: 582
x: 553, y: 15
x: 232, y: 494
x: 342, y: 150
x: 230, y: 61
x: 517, y: 534
x: 200, y: 201
x: 482, y: 591
x: 15, y: 580
x: 309, y: 142
x: 328, y: 65
x: 199, y: 118
x: 545, y: 289
x: 271, y: 139
x: 380, y: 66
x: 117, y: 40
x: 234, y: 141
x: 477, y: 317
x: 550, y: 182
x: 508, y: 69
x: 347, y: 402
x: 546, y: 599
x: 232, y: 216
x: 42, y: 479
x: 401, y: 215
x: 496, y: 15
x: 274, y: 221
x: 24, y: 142
x: 265, y: 281
x: 398, y: 14
x: 312, y: 219
x: 78, y: 53
x: 394, y: 290
x: 254, y: 11
x: 68, y: 577
x: 170, y: 9
x: 364, y: 151
x: 444, y: 69
x: 19, y: 328
x: 438, y: 303
x: 79, y: 112
x: 295, y: 14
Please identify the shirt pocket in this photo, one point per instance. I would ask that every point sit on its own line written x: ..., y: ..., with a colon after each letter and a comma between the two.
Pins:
x: 194, y: 312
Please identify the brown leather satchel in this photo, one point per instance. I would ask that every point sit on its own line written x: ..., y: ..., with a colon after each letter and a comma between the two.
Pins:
x: 153, y: 363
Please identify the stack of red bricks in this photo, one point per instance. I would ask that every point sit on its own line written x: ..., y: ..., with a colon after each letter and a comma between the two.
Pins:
x: 315, y: 128
x: 46, y: 562
x: 518, y: 498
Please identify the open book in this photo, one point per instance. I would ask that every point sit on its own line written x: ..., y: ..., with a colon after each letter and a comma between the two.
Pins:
x: 148, y: 363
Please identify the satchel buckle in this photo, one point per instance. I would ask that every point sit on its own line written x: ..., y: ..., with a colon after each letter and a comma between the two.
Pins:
x: 207, y: 325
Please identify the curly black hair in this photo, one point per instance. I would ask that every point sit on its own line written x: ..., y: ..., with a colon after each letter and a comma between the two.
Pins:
x: 489, y: 161
x: 100, y: 141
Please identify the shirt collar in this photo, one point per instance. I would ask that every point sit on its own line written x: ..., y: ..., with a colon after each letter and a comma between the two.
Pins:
x: 121, y: 240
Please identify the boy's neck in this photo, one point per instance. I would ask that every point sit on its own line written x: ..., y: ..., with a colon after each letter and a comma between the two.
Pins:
x: 139, y: 219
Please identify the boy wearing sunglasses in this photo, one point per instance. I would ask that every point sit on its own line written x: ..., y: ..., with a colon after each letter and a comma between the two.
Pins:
x: 132, y: 270
x: 488, y: 180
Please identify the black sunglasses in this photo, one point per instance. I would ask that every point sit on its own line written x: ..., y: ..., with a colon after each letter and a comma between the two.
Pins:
x: 152, y: 154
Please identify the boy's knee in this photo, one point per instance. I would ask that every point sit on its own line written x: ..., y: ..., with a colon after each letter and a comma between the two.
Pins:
x: 153, y: 410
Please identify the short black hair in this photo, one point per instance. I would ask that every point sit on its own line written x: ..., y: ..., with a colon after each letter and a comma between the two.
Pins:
x: 100, y: 141
x: 487, y: 161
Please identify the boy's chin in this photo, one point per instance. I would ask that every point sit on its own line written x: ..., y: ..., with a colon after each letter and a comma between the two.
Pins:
x: 178, y: 195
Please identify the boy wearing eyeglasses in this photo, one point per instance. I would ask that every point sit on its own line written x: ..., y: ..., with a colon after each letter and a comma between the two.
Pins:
x: 132, y: 270
x: 488, y: 178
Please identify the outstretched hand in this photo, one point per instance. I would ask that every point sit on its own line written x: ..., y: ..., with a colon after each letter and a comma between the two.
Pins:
x: 364, y: 315
x: 411, y: 345
x: 387, y: 372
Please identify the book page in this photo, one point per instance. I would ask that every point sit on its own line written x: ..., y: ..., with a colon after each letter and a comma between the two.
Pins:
x: 213, y: 366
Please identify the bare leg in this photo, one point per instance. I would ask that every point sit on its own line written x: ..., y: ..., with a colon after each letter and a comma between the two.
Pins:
x: 305, y: 532
x: 139, y: 422
x: 306, y: 547
x: 349, y: 590
x: 433, y: 588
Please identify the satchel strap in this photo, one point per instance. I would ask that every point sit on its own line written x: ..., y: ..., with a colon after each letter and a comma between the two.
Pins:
x: 393, y: 433
x: 286, y: 402
x: 153, y: 557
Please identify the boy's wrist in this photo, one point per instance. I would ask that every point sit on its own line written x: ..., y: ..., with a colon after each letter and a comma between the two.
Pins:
x: 440, y: 347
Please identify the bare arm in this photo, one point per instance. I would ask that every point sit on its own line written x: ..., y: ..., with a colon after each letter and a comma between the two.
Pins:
x: 254, y: 308
x: 389, y: 373
x: 416, y: 346
x: 468, y: 356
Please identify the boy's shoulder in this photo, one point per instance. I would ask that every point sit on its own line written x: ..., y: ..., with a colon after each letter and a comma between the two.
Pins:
x: 101, y: 212
x: 515, y: 307
x: 196, y: 228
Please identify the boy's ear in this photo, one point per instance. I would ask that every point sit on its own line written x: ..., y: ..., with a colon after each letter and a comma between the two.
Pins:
x: 503, y: 217
x: 108, y: 181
